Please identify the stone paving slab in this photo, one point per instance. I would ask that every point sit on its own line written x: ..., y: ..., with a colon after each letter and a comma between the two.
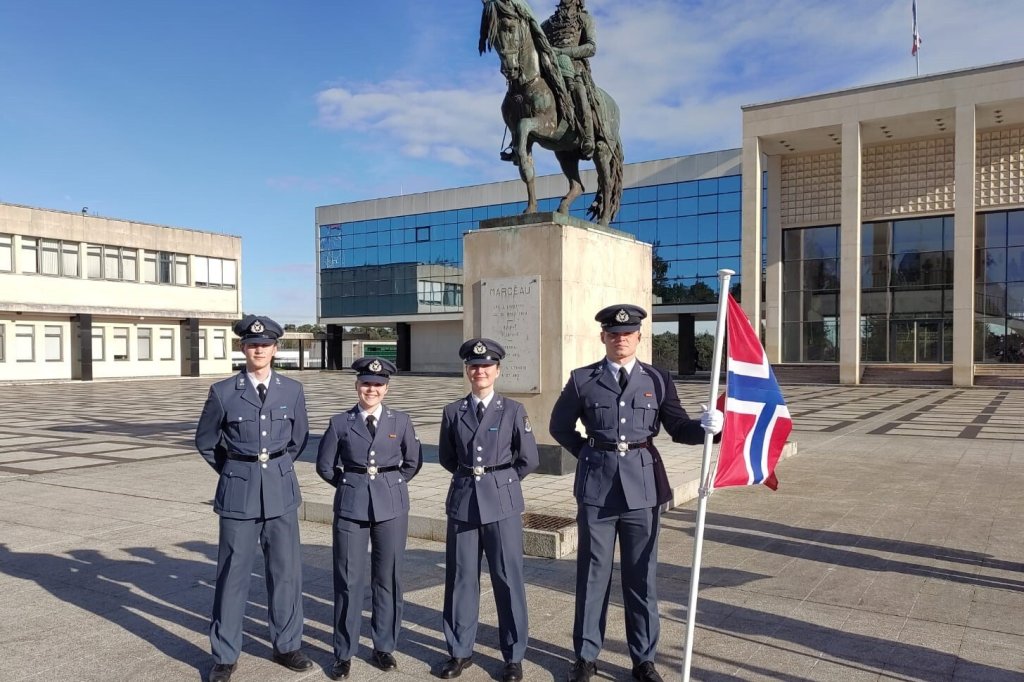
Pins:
x: 885, y: 554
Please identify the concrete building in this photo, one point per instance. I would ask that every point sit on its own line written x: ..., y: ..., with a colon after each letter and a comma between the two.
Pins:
x: 878, y: 233
x: 86, y: 297
x: 894, y: 226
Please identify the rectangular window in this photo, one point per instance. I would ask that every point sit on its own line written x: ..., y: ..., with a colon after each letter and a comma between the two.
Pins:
x: 149, y: 266
x: 119, y: 343
x: 24, y: 342
x: 49, y: 256
x: 111, y: 262
x: 69, y: 259
x: 202, y: 344
x: 165, y: 348
x: 228, y: 276
x: 164, y: 268
x: 145, y: 343
x: 29, y: 255
x: 53, y: 343
x: 3, y: 340
x: 97, y: 344
x: 6, y: 253
x: 181, y: 270
x: 94, y: 262
x: 202, y: 269
x: 219, y: 344
x: 129, y: 257
x: 216, y: 272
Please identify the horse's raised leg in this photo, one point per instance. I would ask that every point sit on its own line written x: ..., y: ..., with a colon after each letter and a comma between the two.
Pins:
x: 570, y: 163
x: 524, y: 149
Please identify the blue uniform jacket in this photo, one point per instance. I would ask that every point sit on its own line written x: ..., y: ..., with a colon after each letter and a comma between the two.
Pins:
x: 505, y: 436
x: 234, y: 422
x: 592, y: 396
x: 347, y: 443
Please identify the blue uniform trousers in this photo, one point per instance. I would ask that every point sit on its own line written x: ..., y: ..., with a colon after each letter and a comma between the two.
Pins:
x: 502, y: 542
x: 387, y: 539
x: 279, y: 539
x: 637, y: 532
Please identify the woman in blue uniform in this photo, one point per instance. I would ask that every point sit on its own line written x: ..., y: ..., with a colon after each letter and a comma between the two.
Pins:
x: 369, y: 454
x: 487, y: 443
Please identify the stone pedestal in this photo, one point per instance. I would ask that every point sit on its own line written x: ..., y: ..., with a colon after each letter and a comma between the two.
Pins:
x: 534, y: 283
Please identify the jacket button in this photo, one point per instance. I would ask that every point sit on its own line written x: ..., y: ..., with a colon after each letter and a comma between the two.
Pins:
x: 623, y: 420
x: 479, y: 459
x: 622, y: 403
x: 264, y: 433
x: 262, y: 416
x: 264, y: 466
x: 479, y: 448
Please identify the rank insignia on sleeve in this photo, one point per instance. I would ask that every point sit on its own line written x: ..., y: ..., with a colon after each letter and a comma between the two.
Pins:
x: 527, y: 425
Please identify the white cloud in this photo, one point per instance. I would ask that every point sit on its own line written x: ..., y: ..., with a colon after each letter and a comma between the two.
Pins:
x: 680, y: 71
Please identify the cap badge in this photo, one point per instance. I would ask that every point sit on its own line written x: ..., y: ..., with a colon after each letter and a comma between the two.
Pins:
x: 375, y: 366
x: 256, y: 327
x: 622, y: 316
x: 480, y: 348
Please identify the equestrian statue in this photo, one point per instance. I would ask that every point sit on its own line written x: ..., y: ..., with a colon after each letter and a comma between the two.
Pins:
x: 552, y: 99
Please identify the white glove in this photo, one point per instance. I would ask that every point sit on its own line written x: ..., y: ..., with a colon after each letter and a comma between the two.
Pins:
x: 712, y: 420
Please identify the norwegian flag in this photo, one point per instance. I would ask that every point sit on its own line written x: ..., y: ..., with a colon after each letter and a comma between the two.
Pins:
x: 757, y: 421
x: 917, y: 36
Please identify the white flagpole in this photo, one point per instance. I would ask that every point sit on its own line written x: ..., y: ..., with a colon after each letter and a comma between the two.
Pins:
x: 705, y: 479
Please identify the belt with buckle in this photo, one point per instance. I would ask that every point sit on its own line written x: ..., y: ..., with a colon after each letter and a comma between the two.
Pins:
x: 621, y: 446
x: 262, y: 457
x: 371, y: 470
x: 479, y: 470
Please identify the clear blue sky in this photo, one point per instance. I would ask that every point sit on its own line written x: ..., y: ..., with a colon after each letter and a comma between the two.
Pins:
x: 242, y: 117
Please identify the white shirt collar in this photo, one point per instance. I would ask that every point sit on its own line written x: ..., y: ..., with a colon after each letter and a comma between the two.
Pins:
x: 256, y: 382
x: 375, y: 413
x: 614, y: 366
x: 486, y: 401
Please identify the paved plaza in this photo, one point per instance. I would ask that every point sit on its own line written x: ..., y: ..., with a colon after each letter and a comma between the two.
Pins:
x: 892, y: 550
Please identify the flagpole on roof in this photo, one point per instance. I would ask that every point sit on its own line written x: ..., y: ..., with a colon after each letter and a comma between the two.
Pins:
x: 705, y: 465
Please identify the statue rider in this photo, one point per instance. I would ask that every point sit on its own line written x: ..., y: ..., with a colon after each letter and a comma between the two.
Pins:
x: 570, y: 30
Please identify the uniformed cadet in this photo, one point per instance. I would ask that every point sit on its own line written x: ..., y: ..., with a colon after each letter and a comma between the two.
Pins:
x: 369, y: 454
x: 252, y: 429
x: 620, y: 485
x: 487, y: 443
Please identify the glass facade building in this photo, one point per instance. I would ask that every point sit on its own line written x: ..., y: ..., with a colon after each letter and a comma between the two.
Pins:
x: 411, y: 264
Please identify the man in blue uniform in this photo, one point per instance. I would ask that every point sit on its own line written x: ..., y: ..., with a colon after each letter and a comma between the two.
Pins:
x: 252, y: 429
x: 487, y: 443
x: 620, y: 485
x: 369, y: 454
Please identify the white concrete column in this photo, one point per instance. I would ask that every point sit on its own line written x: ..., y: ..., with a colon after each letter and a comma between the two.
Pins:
x: 750, y: 244
x: 963, y: 239
x: 849, y: 255
x: 773, y: 266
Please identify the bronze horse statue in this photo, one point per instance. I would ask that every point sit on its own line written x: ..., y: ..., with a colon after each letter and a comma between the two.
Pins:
x: 538, y: 109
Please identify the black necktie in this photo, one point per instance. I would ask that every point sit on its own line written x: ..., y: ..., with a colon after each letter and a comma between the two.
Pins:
x: 623, y: 378
x: 262, y: 390
x: 371, y: 425
x: 480, y: 411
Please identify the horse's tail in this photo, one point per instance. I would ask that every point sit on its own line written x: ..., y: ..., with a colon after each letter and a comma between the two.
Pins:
x: 618, y: 161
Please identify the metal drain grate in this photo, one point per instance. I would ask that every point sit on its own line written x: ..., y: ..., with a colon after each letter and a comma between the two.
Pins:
x: 547, y: 522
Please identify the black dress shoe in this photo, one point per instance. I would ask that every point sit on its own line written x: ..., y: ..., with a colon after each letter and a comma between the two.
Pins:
x: 513, y: 672
x: 294, y: 660
x: 645, y: 672
x: 582, y: 670
x: 221, y: 672
x: 384, y: 660
x: 453, y: 667
x: 340, y: 670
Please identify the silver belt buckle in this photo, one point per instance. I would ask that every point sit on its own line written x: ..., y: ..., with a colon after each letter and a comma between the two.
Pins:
x: 478, y: 470
x: 264, y: 457
x: 372, y: 470
x: 622, y: 447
